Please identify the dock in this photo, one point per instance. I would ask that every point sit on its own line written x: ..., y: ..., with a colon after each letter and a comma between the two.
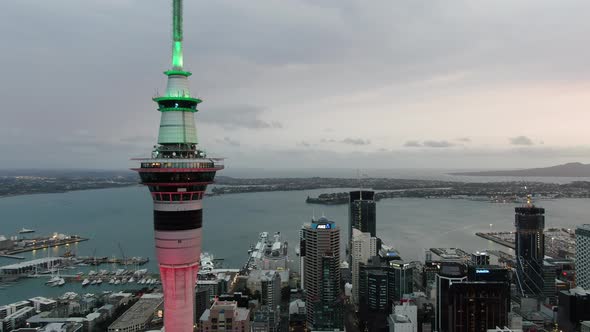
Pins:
x: 11, y: 256
x: 496, y: 239
x: 111, y: 260
x: 38, y: 244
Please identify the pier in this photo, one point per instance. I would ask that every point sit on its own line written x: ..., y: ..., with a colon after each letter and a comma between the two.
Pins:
x: 11, y: 256
x: 88, y: 260
x: 492, y: 237
x: 40, y: 243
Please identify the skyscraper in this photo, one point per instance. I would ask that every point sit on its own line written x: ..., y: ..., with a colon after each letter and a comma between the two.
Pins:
x: 583, y: 256
x: 177, y: 175
x: 381, y: 283
x: 449, y: 273
x: 362, y: 214
x: 478, y: 305
x: 363, y: 247
x: 324, y: 300
x: 529, y: 249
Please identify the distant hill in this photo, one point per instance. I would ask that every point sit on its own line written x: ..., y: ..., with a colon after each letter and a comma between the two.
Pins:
x: 565, y: 170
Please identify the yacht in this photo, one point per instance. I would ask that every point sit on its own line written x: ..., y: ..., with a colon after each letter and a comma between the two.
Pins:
x: 93, y: 282
x: 26, y: 230
x: 117, y: 282
x: 53, y: 280
x: 85, y: 282
x: 99, y: 281
x: 112, y: 281
x: 131, y: 279
x: 61, y: 282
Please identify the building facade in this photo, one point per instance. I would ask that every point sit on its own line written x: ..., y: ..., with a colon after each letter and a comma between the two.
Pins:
x: 324, y: 298
x: 362, y: 212
x: 363, y: 246
x: 583, y: 256
x: 448, y: 274
x: 225, y: 316
x: 478, y: 306
x: 529, y: 250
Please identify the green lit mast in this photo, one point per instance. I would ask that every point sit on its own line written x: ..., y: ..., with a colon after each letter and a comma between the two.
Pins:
x: 177, y: 35
x: 177, y: 124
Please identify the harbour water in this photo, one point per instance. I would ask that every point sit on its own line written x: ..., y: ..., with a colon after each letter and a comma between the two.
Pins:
x: 110, y: 217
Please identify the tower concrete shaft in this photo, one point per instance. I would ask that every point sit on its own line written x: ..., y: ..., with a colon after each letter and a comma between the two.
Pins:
x: 177, y: 175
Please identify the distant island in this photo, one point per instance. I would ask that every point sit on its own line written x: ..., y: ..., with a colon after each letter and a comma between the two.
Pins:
x: 20, y: 182
x: 496, y: 192
x: 573, y: 170
x: 28, y: 182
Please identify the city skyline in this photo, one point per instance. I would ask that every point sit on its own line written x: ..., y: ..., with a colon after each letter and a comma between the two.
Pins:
x: 452, y: 85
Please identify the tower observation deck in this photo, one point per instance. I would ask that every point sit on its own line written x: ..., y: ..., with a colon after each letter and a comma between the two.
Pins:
x: 177, y: 175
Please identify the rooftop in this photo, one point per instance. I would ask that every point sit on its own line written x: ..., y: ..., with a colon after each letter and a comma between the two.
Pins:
x: 140, y: 312
x: 42, y: 300
x: 19, y: 313
x: 240, y: 314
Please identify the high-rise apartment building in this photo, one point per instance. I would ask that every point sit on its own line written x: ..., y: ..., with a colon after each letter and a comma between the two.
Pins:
x: 324, y: 298
x: 363, y: 247
x: 177, y: 175
x: 529, y: 250
x: 583, y: 256
x: 362, y: 212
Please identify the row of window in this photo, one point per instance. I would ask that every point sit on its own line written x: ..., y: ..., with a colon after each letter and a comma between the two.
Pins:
x: 178, y: 197
x: 178, y: 165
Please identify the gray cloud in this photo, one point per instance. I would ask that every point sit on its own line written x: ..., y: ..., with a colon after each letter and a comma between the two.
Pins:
x: 238, y: 116
x: 304, y: 144
x: 412, y: 144
x: 428, y: 144
x: 521, y: 140
x: 139, y: 139
x: 358, y: 48
x: 347, y: 140
x: 438, y: 144
x: 464, y: 139
x: 355, y: 141
x: 228, y: 141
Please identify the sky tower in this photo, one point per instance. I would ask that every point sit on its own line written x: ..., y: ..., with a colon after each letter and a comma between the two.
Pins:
x: 177, y: 175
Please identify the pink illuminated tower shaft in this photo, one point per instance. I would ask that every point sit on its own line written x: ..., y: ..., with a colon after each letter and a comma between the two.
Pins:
x: 177, y: 175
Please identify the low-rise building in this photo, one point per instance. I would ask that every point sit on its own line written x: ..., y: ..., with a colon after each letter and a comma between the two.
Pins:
x: 224, y: 316
x: 43, y: 304
x: 9, y: 309
x: 16, y: 319
x: 139, y: 316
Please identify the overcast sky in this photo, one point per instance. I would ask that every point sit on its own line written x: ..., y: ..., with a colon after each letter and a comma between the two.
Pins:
x: 331, y: 83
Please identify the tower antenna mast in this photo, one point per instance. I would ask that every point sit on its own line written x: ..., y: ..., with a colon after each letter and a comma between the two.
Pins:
x: 177, y: 62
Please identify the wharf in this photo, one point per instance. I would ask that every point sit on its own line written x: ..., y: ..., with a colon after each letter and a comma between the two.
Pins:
x: 11, y: 256
x: 112, y: 260
x: 46, y: 244
x: 492, y: 237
